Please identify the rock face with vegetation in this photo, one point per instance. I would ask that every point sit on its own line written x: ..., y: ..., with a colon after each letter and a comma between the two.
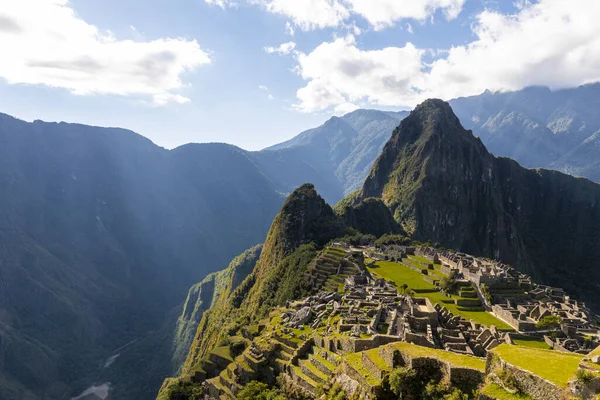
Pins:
x: 100, y: 226
x: 205, y: 294
x: 304, y: 223
x: 443, y: 185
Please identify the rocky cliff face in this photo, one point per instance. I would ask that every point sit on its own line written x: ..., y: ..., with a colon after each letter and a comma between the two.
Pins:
x: 443, y: 185
x: 205, y: 294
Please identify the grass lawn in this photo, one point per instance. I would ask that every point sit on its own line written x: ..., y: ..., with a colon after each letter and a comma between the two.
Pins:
x: 554, y: 366
x: 457, y: 360
x: 401, y: 274
x: 531, y: 342
x: 355, y: 361
x: 223, y: 352
x: 497, y: 392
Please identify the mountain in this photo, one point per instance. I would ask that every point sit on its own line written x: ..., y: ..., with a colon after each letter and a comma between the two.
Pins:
x: 583, y: 160
x: 101, y: 235
x: 442, y: 185
x: 342, y: 149
x: 536, y: 126
x: 304, y: 223
x: 205, y: 294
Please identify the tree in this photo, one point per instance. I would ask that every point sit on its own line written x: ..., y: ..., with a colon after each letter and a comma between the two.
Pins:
x: 404, y: 382
x: 258, y: 391
x: 549, y: 322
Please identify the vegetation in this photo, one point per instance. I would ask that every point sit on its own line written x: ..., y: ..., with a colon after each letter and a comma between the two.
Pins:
x: 549, y: 322
x: 259, y: 391
x: 531, y: 342
x: 554, y: 366
x: 407, y: 383
x: 389, y: 239
x: 402, y: 275
x: 497, y: 392
x: 457, y: 360
x: 184, y: 391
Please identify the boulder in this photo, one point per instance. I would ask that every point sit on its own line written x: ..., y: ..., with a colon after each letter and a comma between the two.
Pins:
x: 302, y: 316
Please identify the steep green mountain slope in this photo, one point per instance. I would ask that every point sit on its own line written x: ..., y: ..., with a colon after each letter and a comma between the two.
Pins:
x: 205, y: 294
x: 304, y: 223
x: 536, y: 126
x: 443, y: 185
x: 101, y: 235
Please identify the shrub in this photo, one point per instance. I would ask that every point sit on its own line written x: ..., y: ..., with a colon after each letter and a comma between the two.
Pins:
x: 583, y: 377
x: 404, y: 382
x: 259, y: 391
x: 185, y: 391
x: 549, y: 322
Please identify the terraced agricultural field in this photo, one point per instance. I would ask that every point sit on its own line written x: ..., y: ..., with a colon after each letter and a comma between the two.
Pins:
x: 531, y: 342
x: 557, y: 367
x: 401, y: 274
x: 458, y: 360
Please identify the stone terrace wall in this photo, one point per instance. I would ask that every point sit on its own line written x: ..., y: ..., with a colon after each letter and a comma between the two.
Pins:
x: 537, y: 388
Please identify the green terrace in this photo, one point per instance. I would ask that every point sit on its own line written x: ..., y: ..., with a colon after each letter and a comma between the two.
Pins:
x: 529, y: 341
x: 457, y: 360
x: 499, y: 393
x: 556, y: 367
x: 465, y: 303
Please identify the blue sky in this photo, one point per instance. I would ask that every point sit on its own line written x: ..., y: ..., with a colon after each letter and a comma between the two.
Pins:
x: 184, y: 71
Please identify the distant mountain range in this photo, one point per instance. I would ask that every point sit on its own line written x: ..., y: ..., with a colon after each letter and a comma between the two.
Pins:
x: 538, y: 127
x: 102, y: 232
x: 434, y: 181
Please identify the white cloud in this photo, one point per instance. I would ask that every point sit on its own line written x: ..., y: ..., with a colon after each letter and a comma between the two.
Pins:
x: 263, y: 87
x: 285, y: 48
x: 310, y: 14
x: 221, y: 3
x: 319, y: 14
x: 551, y: 42
x: 345, y: 108
x: 271, y: 97
x: 289, y: 29
x: 409, y: 29
x: 340, y: 73
x: 44, y: 42
x: 384, y: 13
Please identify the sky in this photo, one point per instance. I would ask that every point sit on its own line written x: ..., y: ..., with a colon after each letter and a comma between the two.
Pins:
x: 254, y: 73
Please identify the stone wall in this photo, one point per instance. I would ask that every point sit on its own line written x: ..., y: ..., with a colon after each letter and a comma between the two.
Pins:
x: 372, y: 367
x: 536, y: 387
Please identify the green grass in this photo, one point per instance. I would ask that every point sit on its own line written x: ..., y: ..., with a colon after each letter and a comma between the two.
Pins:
x: 531, y: 342
x: 457, y: 360
x: 326, y: 363
x: 223, y: 352
x: 374, y: 356
x: 315, y: 370
x: 401, y: 274
x: 557, y: 367
x: 497, y: 392
x: 355, y: 361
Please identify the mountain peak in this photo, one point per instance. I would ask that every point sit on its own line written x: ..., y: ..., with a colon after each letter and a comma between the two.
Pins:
x: 429, y: 142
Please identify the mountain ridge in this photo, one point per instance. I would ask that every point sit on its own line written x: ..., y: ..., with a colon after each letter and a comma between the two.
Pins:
x: 443, y: 185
